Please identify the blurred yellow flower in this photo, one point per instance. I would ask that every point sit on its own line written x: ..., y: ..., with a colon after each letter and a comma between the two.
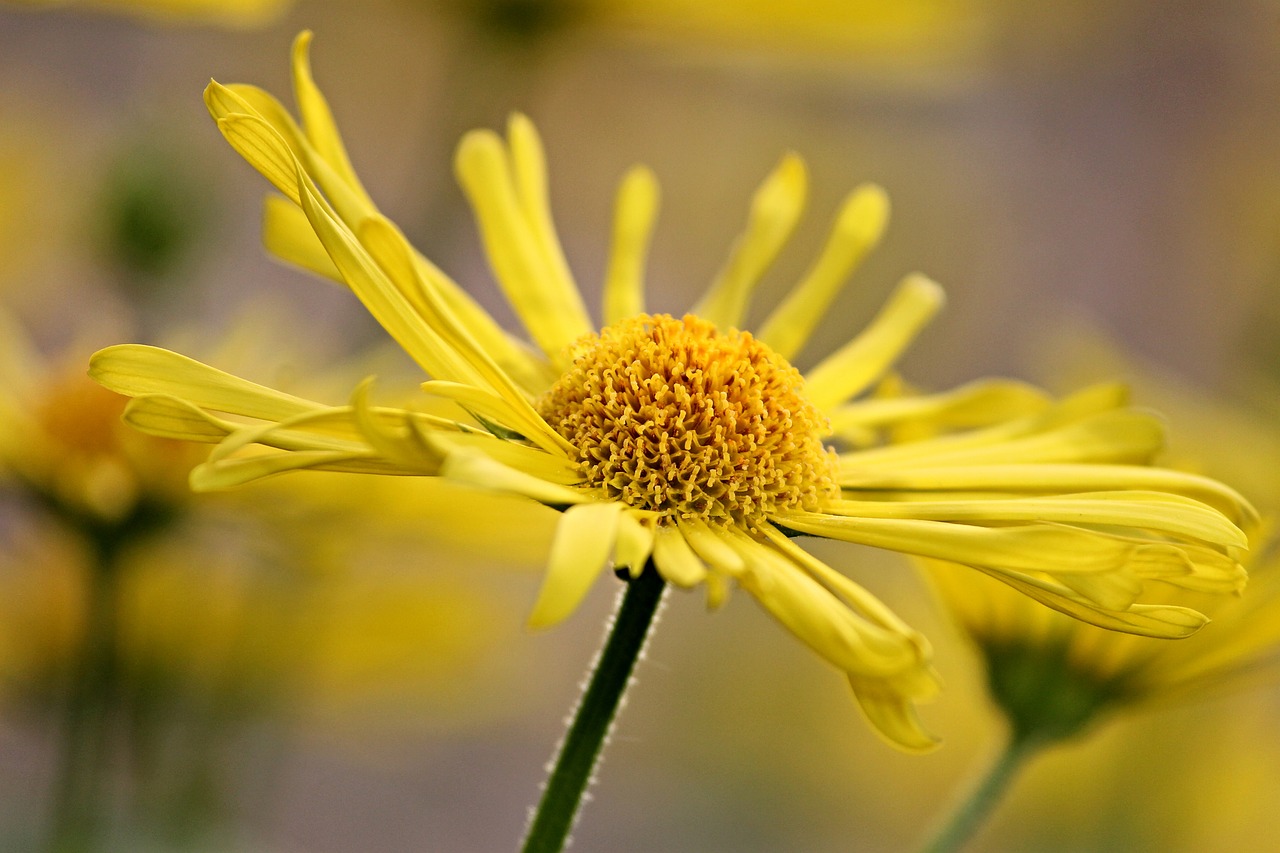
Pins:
x: 687, y: 443
x: 227, y: 13
x: 1052, y: 676
x: 1040, y: 664
x: 63, y: 437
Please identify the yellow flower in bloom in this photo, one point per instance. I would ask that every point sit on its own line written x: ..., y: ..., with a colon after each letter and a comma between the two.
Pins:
x: 230, y: 13
x: 687, y: 442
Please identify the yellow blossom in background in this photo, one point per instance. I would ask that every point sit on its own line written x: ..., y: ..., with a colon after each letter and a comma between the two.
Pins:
x: 64, y: 439
x: 687, y: 442
x: 227, y: 13
x: 1053, y: 676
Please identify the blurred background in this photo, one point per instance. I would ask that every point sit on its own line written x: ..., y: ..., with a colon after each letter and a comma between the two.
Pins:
x: 305, y: 665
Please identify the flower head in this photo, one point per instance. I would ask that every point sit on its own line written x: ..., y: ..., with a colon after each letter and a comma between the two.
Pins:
x: 690, y: 443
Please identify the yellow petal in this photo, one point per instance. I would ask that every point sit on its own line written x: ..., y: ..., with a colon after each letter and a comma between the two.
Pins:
x: 1147, y: 620
x: 893, y: 716
x: 264, y: 149
x: 224, y: 474
x: 1155, y: 511
x: 851, y: 369
x: 977, y: 404
x: 529, y: 170
x: 287, y: 234
x: 1049, y: 478
x: 380, y: 295
x: 317, y: 118
x: 1119, y: 436
x: 635, y: 543
x: 709, y: 544
x: 399, y: 443
x: 551, y: 467
x: 548, y: 304
x: 136, y: 370
x: 775, y: 210
x: 858, y: 228
x: 474, y: 467
x: 1025, y: 547
x: 169, y: 417
x: 676, y: 561
x: 634, y: 213
x: 495, y: 408
x: 581, y: 549
x: 819, y: 619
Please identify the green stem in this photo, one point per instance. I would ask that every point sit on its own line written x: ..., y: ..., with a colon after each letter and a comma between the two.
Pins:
x: 562, y: 796
x: 78, y: 798
x: 977, y: 807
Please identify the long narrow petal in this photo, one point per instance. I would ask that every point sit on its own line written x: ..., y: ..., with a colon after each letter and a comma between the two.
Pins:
x: 549, y: 306
x: 815, y: 615
x: 529, y: 170
x: 380, y: 296
x: 287, y: 234
x: 857, y: 229
x: 1171, y: 514
x: 1050, y: 478
x: 225, y: 474
x: 317, y: 118
x: 851, y: 369
x: 1147, y: 620
x: 775, y: 210
x: 1026, y: 547
x: 976, y: 404
x: 392, y: 252
x: 474, y: 467
x: 634, y: 213
x: 169, y: 417
x: 581, y: 549
x: 136, y: 370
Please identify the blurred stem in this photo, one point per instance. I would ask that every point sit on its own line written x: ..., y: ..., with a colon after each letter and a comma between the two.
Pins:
x: 562, y: 794
x: 974, y: 810
x: 87, y: 718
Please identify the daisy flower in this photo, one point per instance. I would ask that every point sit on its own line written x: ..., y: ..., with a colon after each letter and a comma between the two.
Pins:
x: 684, y: 441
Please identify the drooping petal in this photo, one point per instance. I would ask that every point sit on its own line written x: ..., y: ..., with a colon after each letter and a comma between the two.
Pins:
x: 581, y: 549
x: 676, y: 561
x: 634, y: 545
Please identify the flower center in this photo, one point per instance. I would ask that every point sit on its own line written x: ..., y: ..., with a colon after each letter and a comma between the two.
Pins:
x: 673, y: 416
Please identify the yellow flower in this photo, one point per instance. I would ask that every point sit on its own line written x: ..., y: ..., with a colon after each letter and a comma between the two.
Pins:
x: 228, y: 13
x: 689, y: 443
x: 63, y: 439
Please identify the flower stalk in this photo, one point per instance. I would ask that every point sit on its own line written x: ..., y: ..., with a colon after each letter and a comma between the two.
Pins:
x: 564, y: 789
x: 975, y: 808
